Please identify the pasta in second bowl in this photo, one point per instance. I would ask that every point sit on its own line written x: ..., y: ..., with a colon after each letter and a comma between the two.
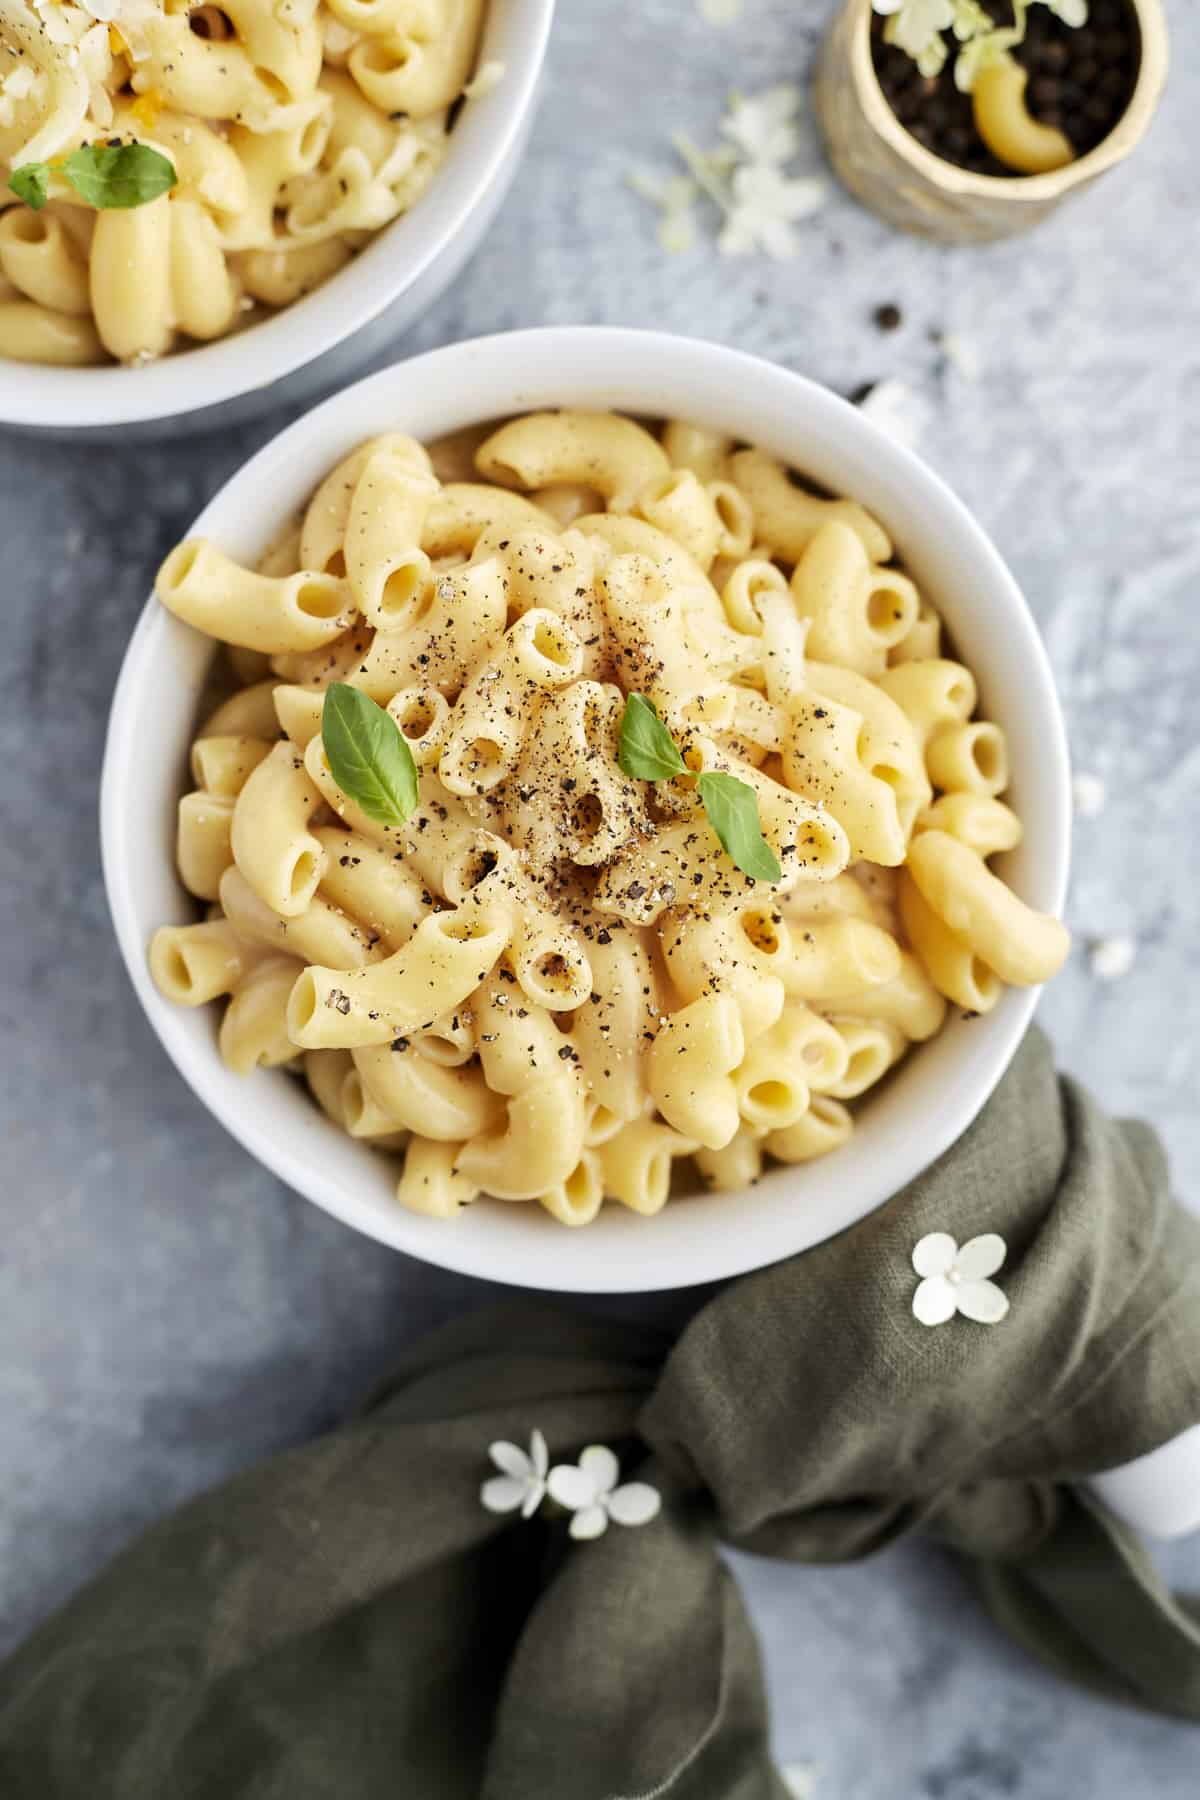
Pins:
x: 590, y: 813
x: 211, y: 196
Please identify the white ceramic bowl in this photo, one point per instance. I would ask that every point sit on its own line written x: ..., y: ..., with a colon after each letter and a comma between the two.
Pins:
x: 332, y: 333
x: 934, y: 1094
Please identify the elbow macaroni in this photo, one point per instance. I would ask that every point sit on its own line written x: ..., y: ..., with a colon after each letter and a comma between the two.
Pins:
x: 551, y: 983
x: 294, y: 135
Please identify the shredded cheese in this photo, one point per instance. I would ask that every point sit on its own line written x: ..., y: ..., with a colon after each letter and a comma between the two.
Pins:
x: 147, y: 108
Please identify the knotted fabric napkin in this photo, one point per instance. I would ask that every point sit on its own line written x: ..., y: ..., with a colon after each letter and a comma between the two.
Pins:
x: 348, y: 1621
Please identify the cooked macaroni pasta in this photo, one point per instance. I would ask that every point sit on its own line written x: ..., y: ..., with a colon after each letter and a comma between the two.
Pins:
x: 295, y: 131
x: 551, y: 981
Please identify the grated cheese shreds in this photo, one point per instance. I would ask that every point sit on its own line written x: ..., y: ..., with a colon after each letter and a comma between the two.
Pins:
x: 147, y: 108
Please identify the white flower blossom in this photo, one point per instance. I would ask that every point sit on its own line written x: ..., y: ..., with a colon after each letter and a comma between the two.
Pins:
x: 521, y: 1484
x: 744, y: 178
x: 589, y: 1490
x: 764, y: 205
x: 915, y: 25
x: 763, y: 126
x: 956, y: 1281
x: 897, y: 410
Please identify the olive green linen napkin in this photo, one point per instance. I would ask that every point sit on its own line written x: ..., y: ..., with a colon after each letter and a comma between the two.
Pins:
x: 349, y: 1621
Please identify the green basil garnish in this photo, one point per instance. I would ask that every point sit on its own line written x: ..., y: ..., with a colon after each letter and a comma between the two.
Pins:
x: 648, y: 752
x: 732, y: 809
x: 368, y: 755
x: 31, y: 183
x: 107, y: 176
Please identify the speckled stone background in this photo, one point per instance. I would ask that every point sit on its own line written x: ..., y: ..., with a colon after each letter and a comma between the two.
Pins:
x: 168, y: 1311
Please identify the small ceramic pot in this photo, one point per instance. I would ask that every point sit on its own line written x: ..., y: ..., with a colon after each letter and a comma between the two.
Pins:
x: 885, y: 167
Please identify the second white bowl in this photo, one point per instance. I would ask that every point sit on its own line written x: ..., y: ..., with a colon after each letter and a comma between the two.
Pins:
x: 333, y: 332
x: 936, y: 1091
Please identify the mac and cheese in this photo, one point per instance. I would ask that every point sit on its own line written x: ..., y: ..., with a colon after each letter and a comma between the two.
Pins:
x: 295, y: 130
x: 552, y: 980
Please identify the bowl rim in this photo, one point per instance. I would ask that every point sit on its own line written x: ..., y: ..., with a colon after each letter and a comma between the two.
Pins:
x: 629, y: 1257
x: 40, y: 397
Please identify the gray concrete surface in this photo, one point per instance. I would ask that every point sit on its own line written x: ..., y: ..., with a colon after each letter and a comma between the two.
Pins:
x: 168, y: 1311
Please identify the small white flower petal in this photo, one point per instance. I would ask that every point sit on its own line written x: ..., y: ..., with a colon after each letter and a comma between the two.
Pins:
x: 781, y: 101
x: 931, y: 60
x: 980, y: 1257
x: 675, y: 233
x: 737, y: 237
x: 503, y: 1493
x: 935, y: 1254
x: 917, y: 26
x: 761, y: 125
x: 511, y: 1459
x: 636, y: 1503
x: 756, y: 187
x: 589, y: 1523
x: 571, y: 1487
x: 646, y: 186
x: 540, y: 1455
x: 982, y: 1301
x: 536, y: 1493
x: 935, y: 1301
x: 1111, y: 958
x: 679, y: 192
x: 601, y: 1467
x: 801, y: 198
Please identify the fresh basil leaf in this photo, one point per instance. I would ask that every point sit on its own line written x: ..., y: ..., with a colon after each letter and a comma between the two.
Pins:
x: 732, y: 808
x: 647, y: 751
x: 368, y: 754
x: 31, y: 183
x: 108, y: 176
